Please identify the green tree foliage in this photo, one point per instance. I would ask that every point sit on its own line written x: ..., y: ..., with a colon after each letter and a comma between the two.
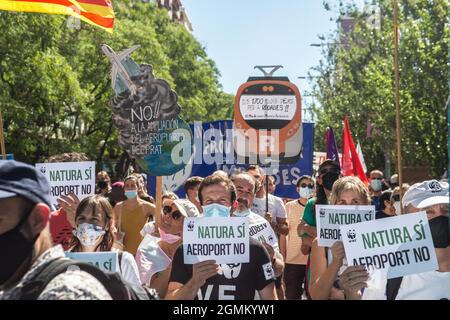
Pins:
x: 358, y: 79
x: 55, y: 83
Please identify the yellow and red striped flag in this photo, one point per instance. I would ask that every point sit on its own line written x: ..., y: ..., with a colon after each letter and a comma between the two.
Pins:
x: 99, y: 13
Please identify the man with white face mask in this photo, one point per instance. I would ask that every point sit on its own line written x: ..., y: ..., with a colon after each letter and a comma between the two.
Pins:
x: 207, y: 280
x: 294, y: 273
x: 376, y: 187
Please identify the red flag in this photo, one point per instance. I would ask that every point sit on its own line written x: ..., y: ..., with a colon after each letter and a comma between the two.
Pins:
x: 351, y: 164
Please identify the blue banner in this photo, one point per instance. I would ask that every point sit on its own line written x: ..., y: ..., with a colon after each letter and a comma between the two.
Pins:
x: 216, y: 149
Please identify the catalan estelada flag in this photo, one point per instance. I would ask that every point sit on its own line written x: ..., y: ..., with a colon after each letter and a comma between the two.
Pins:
x: 96, y: 12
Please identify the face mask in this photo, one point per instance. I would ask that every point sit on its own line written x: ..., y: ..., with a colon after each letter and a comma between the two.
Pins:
x: 16, y: 248
x: 305, y: 192
x: 375, y: 185
x: 168, y: 237
x: 88, y: 234
x: 440, y: 232
x: 131, y: 194
x: 242, y: 214
x: 328, y: 180
x: 216, y: 210
x: 397, y: 207
x: 102, y: 184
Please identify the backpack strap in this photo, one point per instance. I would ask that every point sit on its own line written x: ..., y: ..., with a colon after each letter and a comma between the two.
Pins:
x: 111, y: 282
x: 392, y: 287
x: 33, y: 289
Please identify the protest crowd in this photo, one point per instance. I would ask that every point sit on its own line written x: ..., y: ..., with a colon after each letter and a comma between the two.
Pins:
x: 277, y: 248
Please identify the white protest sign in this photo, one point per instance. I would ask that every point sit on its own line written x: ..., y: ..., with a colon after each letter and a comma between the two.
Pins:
x: 106, y: 261
x: 225, y: 240
x: 263, y: 232
x: 67, y: 177
x: 330, y: 217
x: 269, y: 107
x: 392, y: 247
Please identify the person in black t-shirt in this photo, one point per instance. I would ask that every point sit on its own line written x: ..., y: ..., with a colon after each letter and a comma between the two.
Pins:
x: 207, y: 280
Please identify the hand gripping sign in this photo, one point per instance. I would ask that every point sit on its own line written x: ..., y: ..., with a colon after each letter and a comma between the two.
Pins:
x: 69, y: 177
x: 391, y: 247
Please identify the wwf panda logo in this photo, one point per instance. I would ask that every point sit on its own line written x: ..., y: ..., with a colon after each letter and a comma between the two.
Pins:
x: 43, y: 170
x: 191, y: 226
x: 434, y: 186
x: 351, y: 234
x: 322, y: 213
x: 231, y: 270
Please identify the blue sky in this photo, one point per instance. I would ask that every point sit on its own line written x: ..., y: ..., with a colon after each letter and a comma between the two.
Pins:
x: 239, y: 34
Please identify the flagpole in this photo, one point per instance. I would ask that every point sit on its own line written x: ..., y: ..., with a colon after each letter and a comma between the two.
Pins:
x: 2, y: 137
x: 397, y: 102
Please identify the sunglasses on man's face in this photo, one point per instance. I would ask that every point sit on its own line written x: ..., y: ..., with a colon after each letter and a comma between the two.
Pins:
x: 175, y: 214
x: 376, y: 178
x: 304, y: 185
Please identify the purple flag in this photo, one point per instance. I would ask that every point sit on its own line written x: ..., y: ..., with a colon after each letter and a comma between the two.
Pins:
x: 332, y: 150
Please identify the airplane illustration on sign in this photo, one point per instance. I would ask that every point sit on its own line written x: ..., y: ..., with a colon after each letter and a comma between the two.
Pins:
x: 123, y: 68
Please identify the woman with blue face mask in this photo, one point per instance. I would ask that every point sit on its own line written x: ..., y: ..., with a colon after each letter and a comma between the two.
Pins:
x: 94, y: 233
x: 131, y: 215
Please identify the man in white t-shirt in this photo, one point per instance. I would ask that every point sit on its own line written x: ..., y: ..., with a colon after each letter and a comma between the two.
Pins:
x: 295, y: 268
x: 276, y: 212
x: 260, y: 228
x: 431, y: 196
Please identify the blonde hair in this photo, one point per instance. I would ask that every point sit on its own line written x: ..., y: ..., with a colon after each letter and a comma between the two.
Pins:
x: 350, y: 184
x: 169, y: 195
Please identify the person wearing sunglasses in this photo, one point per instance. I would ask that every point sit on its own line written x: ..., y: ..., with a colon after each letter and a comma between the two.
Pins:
x: 294, y: 272
x: 155, y: 253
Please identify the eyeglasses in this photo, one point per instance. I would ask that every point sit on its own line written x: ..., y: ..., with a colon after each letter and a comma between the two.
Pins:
x: 376, y: 178
x: 396, y: 197
x: 175, y: 214
x: 304, y: 185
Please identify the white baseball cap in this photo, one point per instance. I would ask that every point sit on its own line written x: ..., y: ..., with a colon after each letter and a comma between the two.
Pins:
x: 426, y: 193
x: 187, y: 207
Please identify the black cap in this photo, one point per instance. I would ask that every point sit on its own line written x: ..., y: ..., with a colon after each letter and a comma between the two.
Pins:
x: 21, y: 179
x: 329, y: 162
